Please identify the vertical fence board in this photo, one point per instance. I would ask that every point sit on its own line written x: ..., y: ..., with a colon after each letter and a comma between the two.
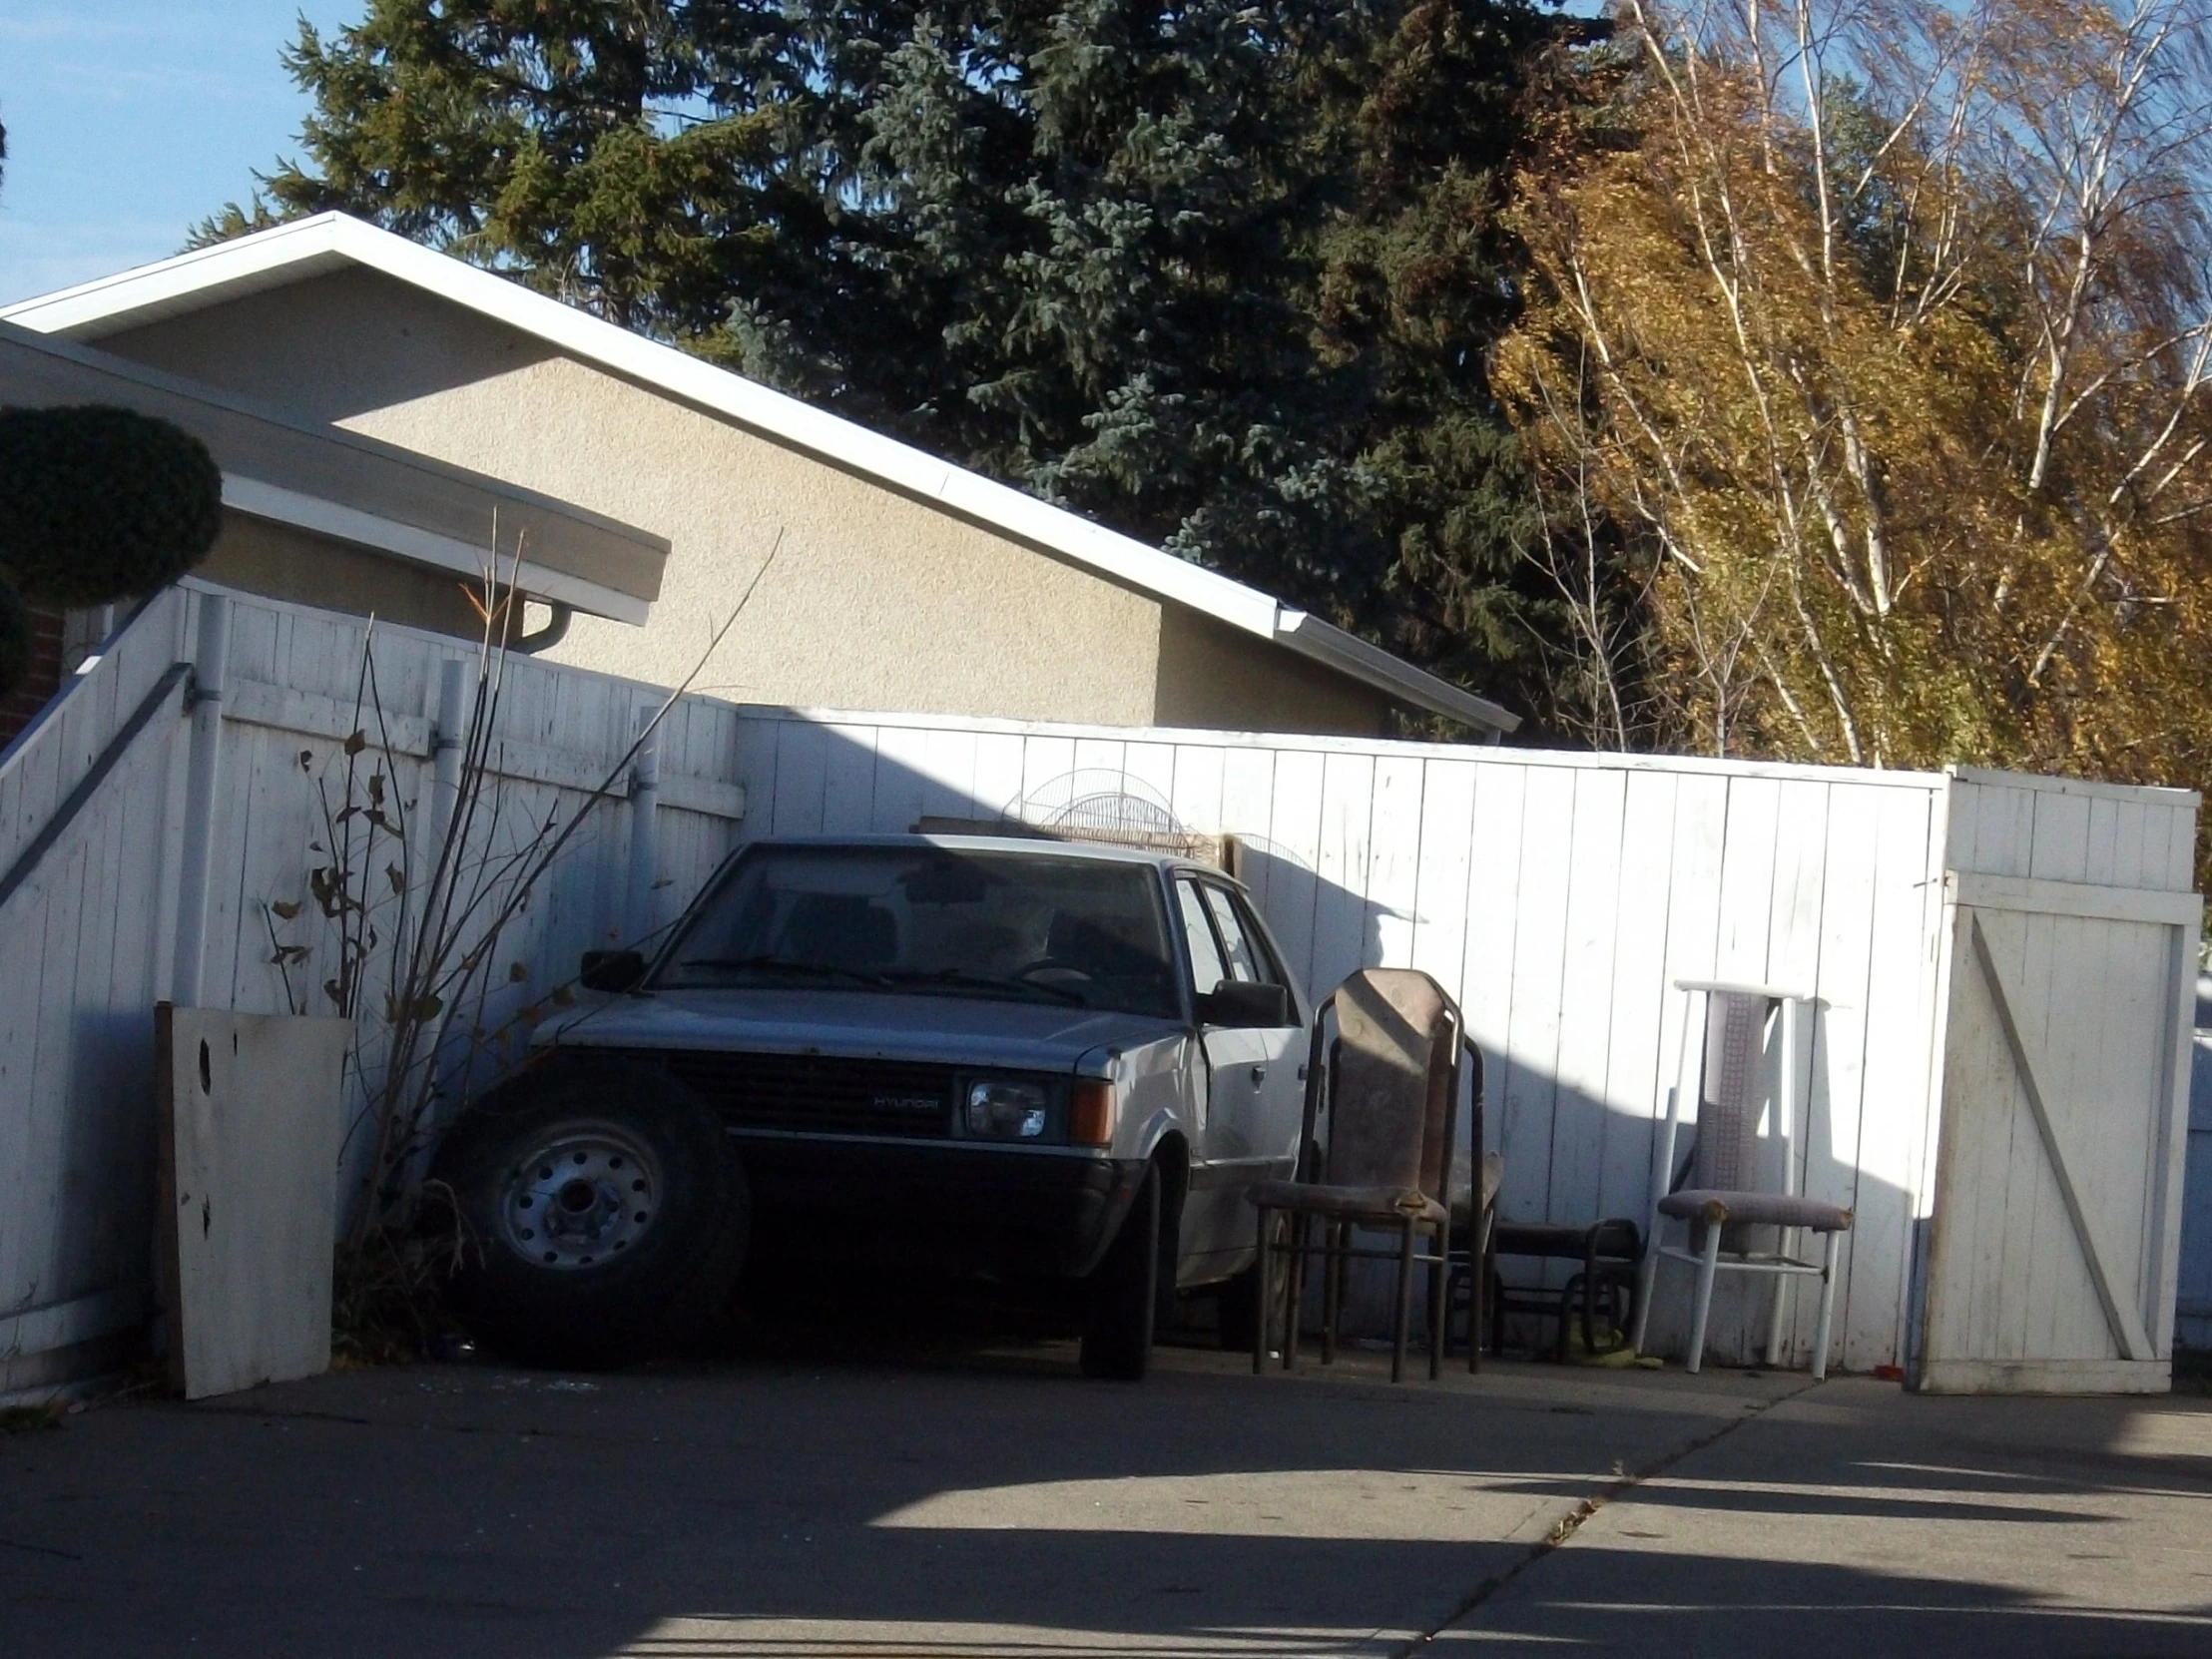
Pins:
x: 1439, y: 939
x: 1539, y: 960
x: 1637, y: 998
x: 1834, y: 1099
x: 1493, y: 867
x: 1248, y: 812
x: 1194, y: 791
x: 1342, y: 941
x: 801, y: 768
x: 1577, y: 1141
x: 1396, y: 838
x: 1293, y: 853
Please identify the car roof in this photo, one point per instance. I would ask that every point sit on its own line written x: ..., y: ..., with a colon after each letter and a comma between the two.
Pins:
x: 1048, y: 845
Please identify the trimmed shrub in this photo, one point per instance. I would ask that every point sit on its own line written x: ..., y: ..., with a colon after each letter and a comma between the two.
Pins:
x: 99, y: 504
x: 15, y: 637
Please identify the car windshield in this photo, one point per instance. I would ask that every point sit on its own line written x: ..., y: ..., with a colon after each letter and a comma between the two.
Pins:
x: 1011, y: 926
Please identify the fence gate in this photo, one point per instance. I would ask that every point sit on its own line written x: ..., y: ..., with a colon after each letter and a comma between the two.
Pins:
x: 2050, y: 1259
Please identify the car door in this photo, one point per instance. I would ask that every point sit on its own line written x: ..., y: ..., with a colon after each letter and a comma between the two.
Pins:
x: 1273, y: 1117
x: 1231, y: 1068
x: 1243, y: 1077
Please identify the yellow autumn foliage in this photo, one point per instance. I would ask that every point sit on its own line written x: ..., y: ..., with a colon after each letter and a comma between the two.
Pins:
x: 1901, y: 427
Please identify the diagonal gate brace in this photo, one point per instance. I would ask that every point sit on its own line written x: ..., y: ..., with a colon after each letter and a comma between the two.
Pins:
x: 2120, y: 1315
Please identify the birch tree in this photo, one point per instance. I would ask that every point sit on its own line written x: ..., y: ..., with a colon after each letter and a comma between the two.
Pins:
x: 1877, y: 332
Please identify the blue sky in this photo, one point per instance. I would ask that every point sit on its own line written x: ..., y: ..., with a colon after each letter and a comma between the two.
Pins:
x: 130, y: 120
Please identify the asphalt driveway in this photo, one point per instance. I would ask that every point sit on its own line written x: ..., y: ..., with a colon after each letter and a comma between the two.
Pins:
x: 991, y: 1503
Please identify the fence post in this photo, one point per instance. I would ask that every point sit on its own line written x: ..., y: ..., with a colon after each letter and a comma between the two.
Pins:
x: 203, y: 780
x: 645, y: 829
x: 446, y: 738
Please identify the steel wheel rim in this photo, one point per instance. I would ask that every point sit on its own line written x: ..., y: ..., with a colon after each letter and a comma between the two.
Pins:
x: 583, y: 1197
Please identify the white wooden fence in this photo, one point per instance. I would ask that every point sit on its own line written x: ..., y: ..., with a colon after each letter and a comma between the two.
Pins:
x: 93, y: 843
x: 1559, y: 895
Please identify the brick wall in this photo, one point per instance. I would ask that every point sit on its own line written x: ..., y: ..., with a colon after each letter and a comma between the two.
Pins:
x: 43, y: 679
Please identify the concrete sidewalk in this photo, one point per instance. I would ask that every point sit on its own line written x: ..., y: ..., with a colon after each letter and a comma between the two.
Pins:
x: 996, y: 1504
x: 1855, y: 1519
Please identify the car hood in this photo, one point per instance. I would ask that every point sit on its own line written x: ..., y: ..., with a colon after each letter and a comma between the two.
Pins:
x: 875, y: 1025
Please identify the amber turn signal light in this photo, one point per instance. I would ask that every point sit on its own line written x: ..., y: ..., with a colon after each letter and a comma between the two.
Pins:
x: 1091, y: 1114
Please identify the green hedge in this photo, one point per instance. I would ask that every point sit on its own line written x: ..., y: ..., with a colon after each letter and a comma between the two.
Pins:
x: 99, y: 504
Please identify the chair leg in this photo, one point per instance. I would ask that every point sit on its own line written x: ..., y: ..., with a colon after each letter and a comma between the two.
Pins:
x: 1647, y: 1278
x: 1267, y: 1302
x: 1344, y: 1275
x: 1301, y: 1236
x: 1707, y: 1271
x: 1405, y: 1319
x: 1827, y: 1307
x: 1784, y: 1239
x: 1439, y: 1282
x: 1478, y: 1282
x: 1589, y: 1308
x: 1497, y: 1293
x: 1333, y: 1240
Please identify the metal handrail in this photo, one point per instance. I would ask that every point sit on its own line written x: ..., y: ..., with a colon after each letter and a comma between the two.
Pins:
x: 27, y: 861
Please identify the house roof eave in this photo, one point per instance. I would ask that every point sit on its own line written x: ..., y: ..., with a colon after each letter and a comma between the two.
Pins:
x: 332, y: 240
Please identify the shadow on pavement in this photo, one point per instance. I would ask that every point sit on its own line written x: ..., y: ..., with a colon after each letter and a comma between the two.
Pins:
x: 970, y: 1495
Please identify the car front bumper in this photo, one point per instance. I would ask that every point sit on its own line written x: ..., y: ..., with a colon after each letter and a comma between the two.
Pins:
x: 998, y: 1213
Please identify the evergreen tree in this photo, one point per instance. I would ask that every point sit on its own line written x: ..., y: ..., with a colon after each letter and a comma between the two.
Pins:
x: 1222, y: 277
x: 1420, y: 278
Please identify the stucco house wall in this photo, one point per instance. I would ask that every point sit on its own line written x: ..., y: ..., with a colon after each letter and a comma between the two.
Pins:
x: 874, y: 600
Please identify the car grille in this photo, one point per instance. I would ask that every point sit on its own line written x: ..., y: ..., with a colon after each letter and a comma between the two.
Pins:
x: 818, y: 1092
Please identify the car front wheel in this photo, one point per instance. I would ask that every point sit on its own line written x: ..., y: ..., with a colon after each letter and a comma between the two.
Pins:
x: 1123, y: 1293
x: 602, y: 1212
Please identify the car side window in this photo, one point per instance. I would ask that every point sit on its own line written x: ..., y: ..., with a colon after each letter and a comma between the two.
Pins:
x: 1272, y: 970
x: 1244, y: 961
x: 1207, y: 970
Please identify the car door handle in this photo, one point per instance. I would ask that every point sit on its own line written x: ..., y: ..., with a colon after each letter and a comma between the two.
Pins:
x: 1259, y: 1074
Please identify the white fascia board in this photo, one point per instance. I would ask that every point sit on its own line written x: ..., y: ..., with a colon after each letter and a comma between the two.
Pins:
x: 1349, y: 654
x: 311, y: 245
x: 424, y: 547
x: 187, y: 281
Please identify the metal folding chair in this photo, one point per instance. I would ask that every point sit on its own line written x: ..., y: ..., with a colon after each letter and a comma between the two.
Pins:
x: 1723, y: 1068
x: 1392, y: 1082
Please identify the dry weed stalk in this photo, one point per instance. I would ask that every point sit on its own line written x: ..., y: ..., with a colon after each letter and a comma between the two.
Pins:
x: 419, y: 907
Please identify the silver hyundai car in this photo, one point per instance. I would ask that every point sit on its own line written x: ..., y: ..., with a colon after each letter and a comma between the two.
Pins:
x: 1014, y: 1059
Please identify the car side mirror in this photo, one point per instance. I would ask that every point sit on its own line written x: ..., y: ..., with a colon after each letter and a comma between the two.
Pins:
x: 611, y: 971
x: 1241, y: 1006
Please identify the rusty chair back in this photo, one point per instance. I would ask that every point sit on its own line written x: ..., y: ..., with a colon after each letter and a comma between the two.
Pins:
x: 1382, y: 1084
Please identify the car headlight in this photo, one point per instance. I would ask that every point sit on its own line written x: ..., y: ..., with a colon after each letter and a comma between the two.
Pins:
x: 1000, y: 1110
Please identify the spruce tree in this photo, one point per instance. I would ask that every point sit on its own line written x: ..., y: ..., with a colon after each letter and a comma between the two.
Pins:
x: 1222, y: 277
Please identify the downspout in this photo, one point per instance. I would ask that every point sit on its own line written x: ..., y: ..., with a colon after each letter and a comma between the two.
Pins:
x: 554, y: 631
x: 645, y: 829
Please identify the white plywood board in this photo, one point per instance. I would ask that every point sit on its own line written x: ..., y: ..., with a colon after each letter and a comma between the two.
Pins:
x: 251, y: 1111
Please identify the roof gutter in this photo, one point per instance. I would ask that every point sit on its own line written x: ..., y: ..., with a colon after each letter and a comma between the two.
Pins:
x: 1351, y: 655
x: 417, y: 545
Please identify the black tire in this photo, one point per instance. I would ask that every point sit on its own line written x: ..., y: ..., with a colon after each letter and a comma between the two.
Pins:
x: 604, y: 1282
x: 1123, y: 1293
x: 1237, y: 1310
